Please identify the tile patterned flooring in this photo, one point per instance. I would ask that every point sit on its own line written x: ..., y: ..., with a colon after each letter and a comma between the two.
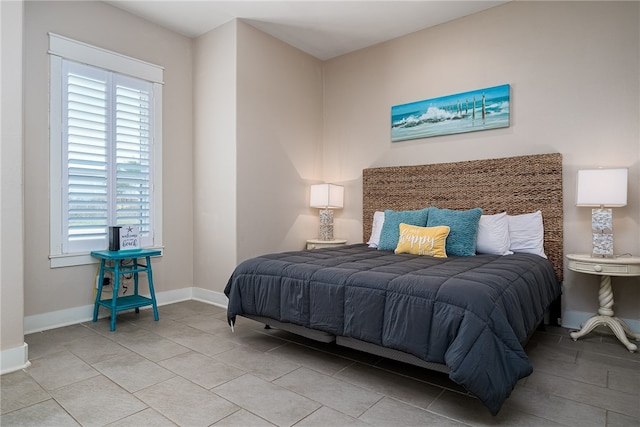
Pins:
x: 188, y: 369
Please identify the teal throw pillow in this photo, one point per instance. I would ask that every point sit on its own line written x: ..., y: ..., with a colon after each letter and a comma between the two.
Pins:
x: 463, y: 229
x: 391, y: 227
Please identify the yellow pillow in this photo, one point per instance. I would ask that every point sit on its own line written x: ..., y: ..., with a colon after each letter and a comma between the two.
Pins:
x: 423, y: 240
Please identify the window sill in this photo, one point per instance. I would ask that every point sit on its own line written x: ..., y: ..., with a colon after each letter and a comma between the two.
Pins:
x: 71, y: 260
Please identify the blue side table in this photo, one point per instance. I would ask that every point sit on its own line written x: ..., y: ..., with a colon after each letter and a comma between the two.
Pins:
x: 128, y: 302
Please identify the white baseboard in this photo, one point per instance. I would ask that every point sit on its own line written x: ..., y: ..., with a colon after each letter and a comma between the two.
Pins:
x: 14, y: 359
x: 72, y: 316
x: 170, y: 297
x: 216, y: 298
x: 573, y: 320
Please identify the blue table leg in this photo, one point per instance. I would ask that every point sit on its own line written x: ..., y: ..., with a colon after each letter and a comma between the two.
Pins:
x: 116, y: 288
x: 99, y: 291
x: 135, y: 280
x: 151, y: 290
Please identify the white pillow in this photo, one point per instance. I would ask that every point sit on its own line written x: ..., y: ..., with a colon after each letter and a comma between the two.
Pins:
x: 527, y: 233
x: 493, y: 235
x: 378, y: 221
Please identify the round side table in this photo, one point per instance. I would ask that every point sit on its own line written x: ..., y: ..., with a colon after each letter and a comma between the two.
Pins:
x: 605, y: 268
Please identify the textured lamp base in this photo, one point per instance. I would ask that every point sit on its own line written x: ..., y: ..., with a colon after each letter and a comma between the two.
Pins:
x: 602, y: 237
x: 326, y: 224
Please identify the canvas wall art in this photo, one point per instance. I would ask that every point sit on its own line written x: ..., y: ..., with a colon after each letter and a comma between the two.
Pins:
x: 463, y: 112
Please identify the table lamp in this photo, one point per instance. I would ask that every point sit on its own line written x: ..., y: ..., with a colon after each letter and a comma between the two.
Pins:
x: 602, y: 189
x: 326, y: 197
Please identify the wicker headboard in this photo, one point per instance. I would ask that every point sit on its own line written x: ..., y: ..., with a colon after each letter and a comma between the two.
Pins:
x: 517, y: 185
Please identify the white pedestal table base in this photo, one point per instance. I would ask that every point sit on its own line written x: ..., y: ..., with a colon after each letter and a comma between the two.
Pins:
x: 605, y: 317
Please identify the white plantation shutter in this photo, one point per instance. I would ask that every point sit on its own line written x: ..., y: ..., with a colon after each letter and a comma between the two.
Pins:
x: 133, y: 163
x: 85, y: 152
x: 104, y: 128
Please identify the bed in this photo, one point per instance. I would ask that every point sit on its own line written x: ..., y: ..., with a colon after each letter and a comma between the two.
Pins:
x: 469, y: 315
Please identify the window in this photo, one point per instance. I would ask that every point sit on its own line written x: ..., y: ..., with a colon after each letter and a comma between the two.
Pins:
x: 105, y: 156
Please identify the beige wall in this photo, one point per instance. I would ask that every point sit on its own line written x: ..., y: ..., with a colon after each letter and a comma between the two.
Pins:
x: 258, y: 144
x: 12, y: 348
x: 214, y: 157
x: 48, y: 290
x: 574, y: 73
x: 279, y: 143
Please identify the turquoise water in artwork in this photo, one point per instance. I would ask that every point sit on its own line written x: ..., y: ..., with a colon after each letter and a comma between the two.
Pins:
x: 463, y: 112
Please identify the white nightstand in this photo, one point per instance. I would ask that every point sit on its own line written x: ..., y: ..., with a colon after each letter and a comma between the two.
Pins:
x: 319, y: 244
x: 606, y: 267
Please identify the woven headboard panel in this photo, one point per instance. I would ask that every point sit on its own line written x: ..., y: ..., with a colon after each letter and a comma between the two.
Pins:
x: 517, y: 185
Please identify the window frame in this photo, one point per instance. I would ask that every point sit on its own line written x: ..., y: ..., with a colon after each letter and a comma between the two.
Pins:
x: 64, y: 48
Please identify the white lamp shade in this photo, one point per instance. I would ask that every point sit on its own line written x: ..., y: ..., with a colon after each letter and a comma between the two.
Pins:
x: 602, y: 187
x: 327, y: 196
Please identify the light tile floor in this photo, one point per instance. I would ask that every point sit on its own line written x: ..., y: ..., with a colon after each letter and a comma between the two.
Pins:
x: 188, y: 369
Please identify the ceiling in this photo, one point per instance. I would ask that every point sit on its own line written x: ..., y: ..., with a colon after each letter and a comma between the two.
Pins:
x: 324, y: 29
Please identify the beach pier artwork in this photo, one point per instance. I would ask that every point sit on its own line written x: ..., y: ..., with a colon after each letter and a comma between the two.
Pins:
x: 463, y: 112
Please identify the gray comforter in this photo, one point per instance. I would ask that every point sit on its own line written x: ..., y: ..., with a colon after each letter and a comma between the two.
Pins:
x: 473, y: 314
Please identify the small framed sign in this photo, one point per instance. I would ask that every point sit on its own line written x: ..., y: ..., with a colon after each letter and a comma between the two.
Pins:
x: 129, y: 238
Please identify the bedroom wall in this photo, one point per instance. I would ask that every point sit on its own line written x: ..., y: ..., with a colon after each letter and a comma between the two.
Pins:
x: 279, y: 143
x: 13, y: 350
x: 67, y: 290
x: 574, y: 72
x: 214, y: 158
x: 258, y: 146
